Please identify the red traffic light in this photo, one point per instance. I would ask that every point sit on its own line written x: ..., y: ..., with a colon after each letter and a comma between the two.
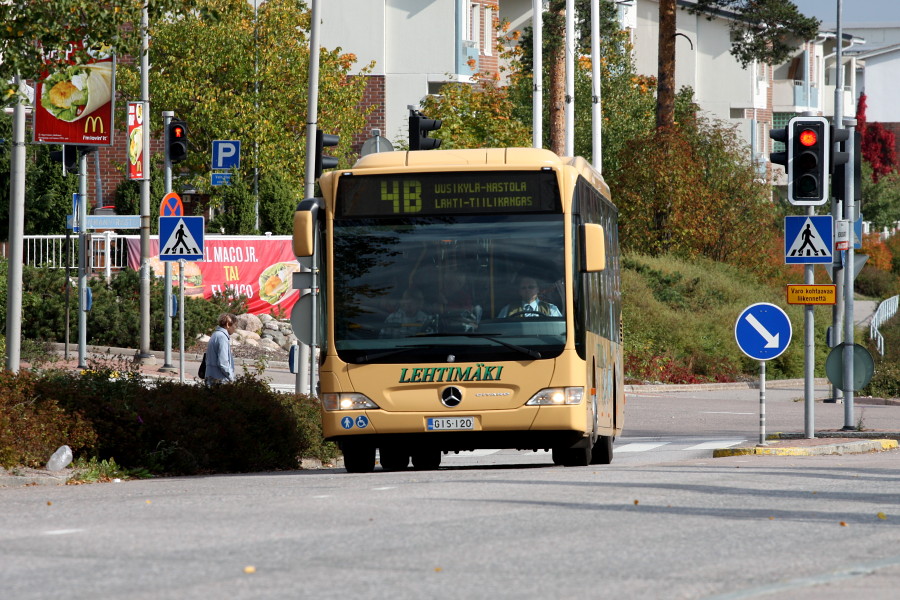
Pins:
x: 808, y: 137
x: 178, y: 132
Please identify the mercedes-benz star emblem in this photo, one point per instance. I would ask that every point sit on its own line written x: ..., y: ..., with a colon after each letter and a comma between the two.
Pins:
x: 451, y: 396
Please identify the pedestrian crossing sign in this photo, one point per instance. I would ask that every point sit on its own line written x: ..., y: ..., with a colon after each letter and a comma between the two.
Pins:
x: 808, y: 240
x: 181, y: 238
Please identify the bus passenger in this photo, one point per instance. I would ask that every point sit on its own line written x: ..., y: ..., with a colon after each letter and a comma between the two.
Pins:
x: 530, y: 305
x: 407, y: 320
x: 459, y: 312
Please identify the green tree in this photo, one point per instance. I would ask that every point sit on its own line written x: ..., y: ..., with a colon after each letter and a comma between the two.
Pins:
x: 690, y: 191
x: 880, y: 199
x: 476, y: 116
x: 246, y: 79
x: 48, y: 193
x: 764, y: 30
x: 56, y: 24
x: 761, y: 30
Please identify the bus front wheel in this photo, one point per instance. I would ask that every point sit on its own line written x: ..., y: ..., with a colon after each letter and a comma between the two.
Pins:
x: 359, y: 457
x: 602, y: 453
x: 572, y: 457
x: 426, y: 460
x: 393, y: 459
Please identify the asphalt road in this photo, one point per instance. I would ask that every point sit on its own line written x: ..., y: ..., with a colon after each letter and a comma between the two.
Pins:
x: 662, y: 522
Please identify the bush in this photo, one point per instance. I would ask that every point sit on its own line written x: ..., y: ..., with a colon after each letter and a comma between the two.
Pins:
x: 886, y: 380
x: 877, y: 283
x: 113, y: 320
x: 181, y: 428
x: 33, y: 426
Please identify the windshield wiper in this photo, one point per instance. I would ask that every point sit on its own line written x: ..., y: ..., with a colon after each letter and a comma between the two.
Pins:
x: 364, y: 358
x: 488, y: 336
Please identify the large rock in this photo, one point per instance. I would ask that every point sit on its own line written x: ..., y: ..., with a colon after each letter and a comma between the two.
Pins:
x: 249, y: 322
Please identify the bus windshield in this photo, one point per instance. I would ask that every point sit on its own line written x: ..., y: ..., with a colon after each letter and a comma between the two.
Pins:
x: 445, y: 288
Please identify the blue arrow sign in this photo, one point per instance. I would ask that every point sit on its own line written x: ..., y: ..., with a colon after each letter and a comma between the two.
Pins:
x: 181, y: 237
x: 763, y: 331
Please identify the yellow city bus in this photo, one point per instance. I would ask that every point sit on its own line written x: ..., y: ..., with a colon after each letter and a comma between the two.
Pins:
x: 468, y: 299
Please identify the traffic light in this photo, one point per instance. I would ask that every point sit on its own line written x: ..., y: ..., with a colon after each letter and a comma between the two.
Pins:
x: 325, y: 140
x: 176, y: 141
x: 839, y: 173
x: 779, y: 158
x: 419, y: 126
x: 809, y: 156
x: 840, y: 157
x: 69, y: 156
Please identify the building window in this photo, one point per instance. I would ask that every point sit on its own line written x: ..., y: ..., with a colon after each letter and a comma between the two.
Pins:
x: 486, y: 47
x: 780, y: 121
x: 475, y: 23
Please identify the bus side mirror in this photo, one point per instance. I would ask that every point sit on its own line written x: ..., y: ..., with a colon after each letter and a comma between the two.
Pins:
x: 303, y: 233
x: 593, y: 251
x: 305, y: 226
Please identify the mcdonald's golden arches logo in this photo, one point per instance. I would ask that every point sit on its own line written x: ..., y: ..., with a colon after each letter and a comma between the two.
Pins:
x: 94, y: 123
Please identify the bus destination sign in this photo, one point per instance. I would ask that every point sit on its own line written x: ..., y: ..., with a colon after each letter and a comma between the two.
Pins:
x: 448, y: 193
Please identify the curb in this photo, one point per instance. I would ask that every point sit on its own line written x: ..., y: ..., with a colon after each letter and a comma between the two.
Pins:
x: 855, y: 447
x: 104, y: 351
x: 867, y: 435
x: 737, y: 385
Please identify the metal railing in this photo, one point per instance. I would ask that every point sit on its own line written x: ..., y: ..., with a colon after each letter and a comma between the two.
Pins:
x: 108, y: 252
x: 885, y: 311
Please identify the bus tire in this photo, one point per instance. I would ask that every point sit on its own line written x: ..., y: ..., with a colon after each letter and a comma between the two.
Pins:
x: 572, y: 457
x: 426, y: 460
x: 358, y: 457
x: 602, y: 453
x: 393, y: 459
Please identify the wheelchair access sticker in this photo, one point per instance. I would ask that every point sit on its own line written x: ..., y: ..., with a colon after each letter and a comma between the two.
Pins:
x: 361, y: 422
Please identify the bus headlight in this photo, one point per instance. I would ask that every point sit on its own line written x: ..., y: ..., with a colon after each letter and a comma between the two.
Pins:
x: 348, y: 401
x: 557, y: 396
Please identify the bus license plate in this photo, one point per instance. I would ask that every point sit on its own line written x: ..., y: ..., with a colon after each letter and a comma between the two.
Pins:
x: 450, y: 423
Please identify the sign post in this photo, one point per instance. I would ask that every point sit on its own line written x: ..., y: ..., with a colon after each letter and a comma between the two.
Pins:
x: 763, y: 332
x: 170, y: 206
x: 181, y: 239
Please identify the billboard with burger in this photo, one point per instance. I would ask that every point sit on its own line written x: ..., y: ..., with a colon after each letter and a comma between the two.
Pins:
x: 259, y: 268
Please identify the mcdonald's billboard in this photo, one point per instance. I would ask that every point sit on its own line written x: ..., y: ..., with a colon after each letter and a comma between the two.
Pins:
x: 74, y: 104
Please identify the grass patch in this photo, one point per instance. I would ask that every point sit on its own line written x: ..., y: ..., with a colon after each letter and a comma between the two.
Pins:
x: 679, y: 321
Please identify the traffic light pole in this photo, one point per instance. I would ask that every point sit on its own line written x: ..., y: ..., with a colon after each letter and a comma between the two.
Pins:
x: 312, y: 111
x: 16, y: 233
x: 167, y: 176
x: 849, y: 274
x: 809, y: 355
x: 144, y: 356
x: 83, y: 264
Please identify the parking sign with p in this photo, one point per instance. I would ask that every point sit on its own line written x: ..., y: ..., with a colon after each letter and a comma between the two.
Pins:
x: 226, y: 154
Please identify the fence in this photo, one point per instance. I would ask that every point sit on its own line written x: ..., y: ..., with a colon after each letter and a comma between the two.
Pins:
x: 107, y: 252
x: 885, y: 311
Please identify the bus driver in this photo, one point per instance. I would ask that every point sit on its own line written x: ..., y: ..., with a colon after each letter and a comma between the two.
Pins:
x: 530, y: 305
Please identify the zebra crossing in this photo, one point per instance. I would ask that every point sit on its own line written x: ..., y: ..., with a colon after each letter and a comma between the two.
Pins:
x: 627, y: 445
x: 681, y: 446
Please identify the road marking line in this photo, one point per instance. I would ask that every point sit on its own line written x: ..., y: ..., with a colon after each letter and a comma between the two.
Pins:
x: 639, y: 446
x: 62, y: 531
x: 714, y: 445
x: 726, y: 413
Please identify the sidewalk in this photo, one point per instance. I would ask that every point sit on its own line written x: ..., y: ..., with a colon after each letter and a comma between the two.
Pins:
x: 276, y: 371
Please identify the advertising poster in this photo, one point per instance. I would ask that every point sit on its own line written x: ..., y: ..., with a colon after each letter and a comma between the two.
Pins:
x: 74, y: 104
x: 259, y: 268
x: 135, y: 130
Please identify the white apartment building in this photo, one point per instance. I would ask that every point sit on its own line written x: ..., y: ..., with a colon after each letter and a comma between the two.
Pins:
x: 417, y: 46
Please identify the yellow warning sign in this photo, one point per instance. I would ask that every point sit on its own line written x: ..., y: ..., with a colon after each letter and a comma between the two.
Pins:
x: 811, y: 294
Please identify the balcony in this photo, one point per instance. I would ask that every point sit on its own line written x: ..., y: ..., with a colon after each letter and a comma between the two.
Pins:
x: 790, y: 96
